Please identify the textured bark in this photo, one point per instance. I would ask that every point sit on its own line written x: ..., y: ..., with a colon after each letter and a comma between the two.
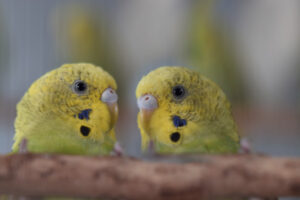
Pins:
x: 128, y: 178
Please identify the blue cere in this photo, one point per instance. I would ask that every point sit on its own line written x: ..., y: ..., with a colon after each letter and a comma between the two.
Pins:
x: 84, y: 114
x: 178, y: 122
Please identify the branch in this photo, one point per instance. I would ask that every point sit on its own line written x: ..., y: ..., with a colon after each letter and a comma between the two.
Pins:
x: 128, y: 178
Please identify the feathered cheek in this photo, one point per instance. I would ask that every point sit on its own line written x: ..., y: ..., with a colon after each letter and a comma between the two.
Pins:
x: 94, y: 121
x: 178, y: 124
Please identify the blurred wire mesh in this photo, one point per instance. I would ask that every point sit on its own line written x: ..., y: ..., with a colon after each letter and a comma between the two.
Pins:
x: 250, y: 48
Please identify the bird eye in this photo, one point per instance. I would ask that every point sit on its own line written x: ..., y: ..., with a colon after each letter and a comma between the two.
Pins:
x: 178, y: 92
x: 175, y: 137
x: 79, y: 87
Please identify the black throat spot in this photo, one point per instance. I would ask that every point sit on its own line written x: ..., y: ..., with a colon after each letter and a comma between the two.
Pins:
x: 84, y: 130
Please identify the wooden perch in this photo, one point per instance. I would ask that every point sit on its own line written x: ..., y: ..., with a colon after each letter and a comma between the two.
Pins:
x: 128, y: 178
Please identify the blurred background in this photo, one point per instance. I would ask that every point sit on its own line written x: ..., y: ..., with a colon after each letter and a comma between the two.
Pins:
x: 250, y: 48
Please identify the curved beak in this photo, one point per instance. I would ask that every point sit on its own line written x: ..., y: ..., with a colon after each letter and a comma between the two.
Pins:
x: 113, y: 109
x: 147, y: 105
x: 110, y: 98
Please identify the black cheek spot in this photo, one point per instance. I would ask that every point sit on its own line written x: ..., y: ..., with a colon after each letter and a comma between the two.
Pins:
x: 85, y: 131
x: 175, y: 137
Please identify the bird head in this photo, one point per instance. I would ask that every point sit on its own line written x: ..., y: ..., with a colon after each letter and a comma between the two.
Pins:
x: 76, y: 103
x: 182, y: 111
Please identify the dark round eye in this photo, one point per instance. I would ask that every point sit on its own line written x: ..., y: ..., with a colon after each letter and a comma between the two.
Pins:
x: 178, y: 92
x: 79, y: 87
x: 84, y: 130
x: 175, y: 137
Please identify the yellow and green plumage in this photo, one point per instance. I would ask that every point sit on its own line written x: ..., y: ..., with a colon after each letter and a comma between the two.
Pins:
x: 198, y: 120
x: 64, y: 112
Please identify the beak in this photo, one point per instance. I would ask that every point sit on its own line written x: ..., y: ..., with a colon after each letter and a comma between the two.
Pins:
x: 113, y: 109
x: 147, y: 105
x: 110, y: 98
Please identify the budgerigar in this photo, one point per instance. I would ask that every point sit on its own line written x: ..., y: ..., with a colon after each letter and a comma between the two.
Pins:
x: 181, y: 111
x: 70, y: 110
